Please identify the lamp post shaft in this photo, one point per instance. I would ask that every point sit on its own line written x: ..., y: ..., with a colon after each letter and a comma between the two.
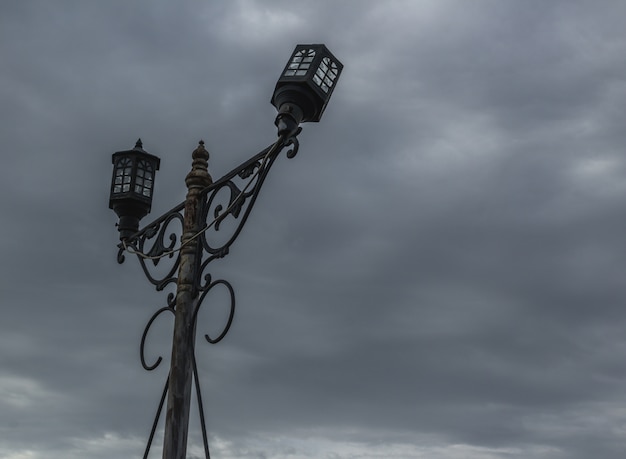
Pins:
x: 181, y: 369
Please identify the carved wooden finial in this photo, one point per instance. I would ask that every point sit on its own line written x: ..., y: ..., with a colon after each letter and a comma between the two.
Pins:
x: 199, y: 175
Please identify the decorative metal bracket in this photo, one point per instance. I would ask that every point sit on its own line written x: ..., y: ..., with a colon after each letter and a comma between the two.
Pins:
x: 158, y: 245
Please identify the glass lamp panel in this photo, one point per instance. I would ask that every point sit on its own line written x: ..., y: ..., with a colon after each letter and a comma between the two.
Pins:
x: 122, y: 178
x: 144, y: 178
x: 123, y: 162
x: 142, y: 167
x: 300, y: 63
x: 122, y: 168
x: 326, y: 74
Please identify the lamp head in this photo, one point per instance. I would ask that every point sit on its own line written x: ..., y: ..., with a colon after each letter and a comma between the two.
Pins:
x: 305, y: 86
x: 132, y: 187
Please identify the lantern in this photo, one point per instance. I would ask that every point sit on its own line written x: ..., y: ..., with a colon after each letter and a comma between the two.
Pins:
x: 132, y: 187
x: 305, y: 85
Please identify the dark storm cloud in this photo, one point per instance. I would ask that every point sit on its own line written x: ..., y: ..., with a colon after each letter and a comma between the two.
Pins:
x: 436, y: 274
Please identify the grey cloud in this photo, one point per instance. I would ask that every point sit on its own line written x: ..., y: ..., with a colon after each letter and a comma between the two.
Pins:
x: 437, y: 273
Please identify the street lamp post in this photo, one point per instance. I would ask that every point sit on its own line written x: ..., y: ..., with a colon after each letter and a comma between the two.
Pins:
x: 301, y: 94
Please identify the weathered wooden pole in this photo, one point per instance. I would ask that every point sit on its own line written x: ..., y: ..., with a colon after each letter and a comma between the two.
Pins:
x: 179, y: 389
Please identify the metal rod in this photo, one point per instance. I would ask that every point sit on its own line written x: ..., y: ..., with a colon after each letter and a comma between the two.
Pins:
x: 196, y: 380
x: 156, y: 419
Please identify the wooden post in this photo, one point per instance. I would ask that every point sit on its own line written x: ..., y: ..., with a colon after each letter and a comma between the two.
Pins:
x: 179, y: 389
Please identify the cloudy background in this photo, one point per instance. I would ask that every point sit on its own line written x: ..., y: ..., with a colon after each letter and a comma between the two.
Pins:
x: 438, y: 274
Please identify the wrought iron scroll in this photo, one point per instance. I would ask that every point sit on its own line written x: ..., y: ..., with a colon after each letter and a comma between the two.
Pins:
x: 151, y: 249
x: 147, y: 367
x: 240, y: 201
x: 150, y: 246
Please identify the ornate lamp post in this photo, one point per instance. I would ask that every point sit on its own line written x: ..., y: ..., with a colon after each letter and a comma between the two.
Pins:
x: 301, y: 94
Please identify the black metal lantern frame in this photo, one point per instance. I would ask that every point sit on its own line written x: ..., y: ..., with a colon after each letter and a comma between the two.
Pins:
x: 306, y: 84
x: 132, y: 187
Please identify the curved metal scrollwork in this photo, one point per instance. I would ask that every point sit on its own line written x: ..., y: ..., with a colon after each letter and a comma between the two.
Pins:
x: 151, y: 249
x: 231, y: 310
x: 144, y: 335
x: 239, y: 203
x: 149, y: 244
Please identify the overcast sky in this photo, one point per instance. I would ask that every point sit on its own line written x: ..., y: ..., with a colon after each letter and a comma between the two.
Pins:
x: 438, y: 274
